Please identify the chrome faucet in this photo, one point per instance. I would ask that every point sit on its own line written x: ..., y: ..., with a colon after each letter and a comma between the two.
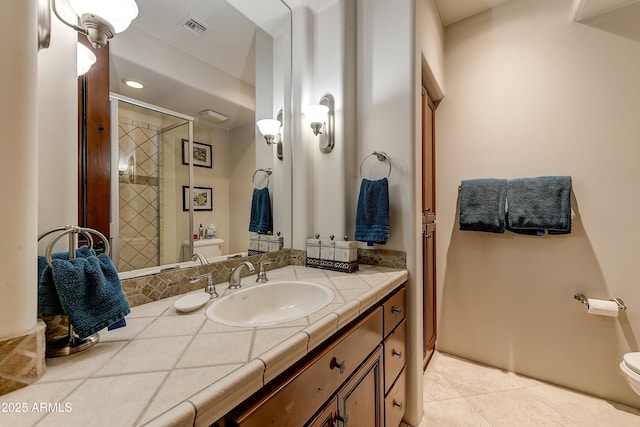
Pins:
x: 262, y: 275
x: 234, y: 280
x: 198, y: 256
x: 210, y: 288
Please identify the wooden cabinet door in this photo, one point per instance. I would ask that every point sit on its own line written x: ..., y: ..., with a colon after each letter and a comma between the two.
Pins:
x: 361, y: 399
x: 327, y: 416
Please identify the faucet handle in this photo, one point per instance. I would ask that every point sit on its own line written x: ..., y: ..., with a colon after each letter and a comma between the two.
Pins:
x: 262, y: 275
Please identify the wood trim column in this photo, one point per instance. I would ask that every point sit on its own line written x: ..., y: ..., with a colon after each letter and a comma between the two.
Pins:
x: 94, y: 144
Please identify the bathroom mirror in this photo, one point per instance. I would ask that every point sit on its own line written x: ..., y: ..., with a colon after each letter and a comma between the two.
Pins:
x: 217, y: 67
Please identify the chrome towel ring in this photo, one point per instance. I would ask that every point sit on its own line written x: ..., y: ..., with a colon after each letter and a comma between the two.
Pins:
x: 381, y: 156
x: 268, y: 172
x: 73, y: 231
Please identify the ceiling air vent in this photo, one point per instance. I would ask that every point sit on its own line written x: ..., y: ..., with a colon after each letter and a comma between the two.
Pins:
x: 191, y: 24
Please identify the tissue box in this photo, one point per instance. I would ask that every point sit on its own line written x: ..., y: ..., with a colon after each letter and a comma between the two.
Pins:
x: 313, y: 248
x: 274, y: 243
x: 327, y: 250
x: 346, y: 251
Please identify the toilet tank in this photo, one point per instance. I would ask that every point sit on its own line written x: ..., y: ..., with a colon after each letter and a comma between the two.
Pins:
x: 208, y: 248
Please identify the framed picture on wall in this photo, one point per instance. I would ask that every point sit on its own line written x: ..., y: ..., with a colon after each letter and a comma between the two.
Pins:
x: 202, y: 154
x: 202, y: 198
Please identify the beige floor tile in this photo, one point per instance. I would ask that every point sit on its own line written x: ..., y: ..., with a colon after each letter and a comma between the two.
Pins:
x: 470, y: 378
x: 436, y: 387
x: 587, y: 410
x: 517, y: 408
x: 452, y: 413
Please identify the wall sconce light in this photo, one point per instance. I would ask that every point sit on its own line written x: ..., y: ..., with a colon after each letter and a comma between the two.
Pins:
x: 86, y: 58
x: 100, y: 20
x: 270, y: 129
x: 321, y: 117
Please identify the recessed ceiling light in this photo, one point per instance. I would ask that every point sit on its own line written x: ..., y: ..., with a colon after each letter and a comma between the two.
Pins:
x: 133, y: 83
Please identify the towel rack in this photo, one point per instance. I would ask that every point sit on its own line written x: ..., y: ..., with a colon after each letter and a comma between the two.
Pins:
x: 267, y: 171
x: 381, y: 156
x: 71, y: 343
x: 584, y: 300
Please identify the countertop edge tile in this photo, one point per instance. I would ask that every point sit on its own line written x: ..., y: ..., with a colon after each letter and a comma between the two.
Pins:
x: 224, y: 395
x: 280, y: 357
x: 321, y: 329
x: 347, y: 313
x: 182, y: 415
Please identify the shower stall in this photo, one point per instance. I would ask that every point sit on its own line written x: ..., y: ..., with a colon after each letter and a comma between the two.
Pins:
x: 150, y: 147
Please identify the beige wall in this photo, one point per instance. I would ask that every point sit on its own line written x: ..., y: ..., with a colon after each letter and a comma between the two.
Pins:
x: 531, y: 93
x: 242, y: 165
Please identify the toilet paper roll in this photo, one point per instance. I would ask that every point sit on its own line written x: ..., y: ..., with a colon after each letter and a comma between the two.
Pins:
x: 603, y: 308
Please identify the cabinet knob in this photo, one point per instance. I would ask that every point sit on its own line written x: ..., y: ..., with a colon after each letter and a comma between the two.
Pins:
x: 395, y: 352
x: 340, y: 365
x: 396, y: 310
x: 428, y: 210
x: 397, y: 404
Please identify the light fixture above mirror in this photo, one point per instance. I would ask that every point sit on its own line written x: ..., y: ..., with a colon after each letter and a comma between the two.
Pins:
x: 100, y: 20
x: 321, y: 118
x: 85, y: 59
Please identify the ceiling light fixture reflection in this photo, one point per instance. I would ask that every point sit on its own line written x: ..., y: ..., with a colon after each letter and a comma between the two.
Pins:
x: 135, y: 84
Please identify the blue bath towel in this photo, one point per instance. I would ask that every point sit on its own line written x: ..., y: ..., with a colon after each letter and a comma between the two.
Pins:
x: 48, y: 299
x: 482, y: 205
x: 261, y: 220
x: 372, y: 212
x: 90, y: 293
x: 539, y: 204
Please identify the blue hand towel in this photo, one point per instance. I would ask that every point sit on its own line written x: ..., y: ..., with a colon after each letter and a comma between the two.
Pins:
x: 539, y: 204
x: 482, y: 204
x: 372, y: 212
x: 48, y: 299
x: 90, y: 293
x: 261, y: 220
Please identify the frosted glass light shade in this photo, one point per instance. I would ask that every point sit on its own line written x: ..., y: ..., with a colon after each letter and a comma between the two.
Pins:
x: 269, y: 127
x: 119, y: 13
x: 86, y: 58
x: 316, y: 113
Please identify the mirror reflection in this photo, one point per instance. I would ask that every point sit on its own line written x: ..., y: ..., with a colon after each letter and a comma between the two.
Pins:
x: 214, y: 68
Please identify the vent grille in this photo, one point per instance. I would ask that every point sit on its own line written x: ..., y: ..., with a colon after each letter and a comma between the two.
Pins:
x: 191, y: 24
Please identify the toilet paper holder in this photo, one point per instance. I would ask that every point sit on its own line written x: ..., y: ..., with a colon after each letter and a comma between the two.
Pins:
x: 583, y: 299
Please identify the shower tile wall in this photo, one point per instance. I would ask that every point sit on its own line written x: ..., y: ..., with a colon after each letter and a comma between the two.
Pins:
x: 139, y: 196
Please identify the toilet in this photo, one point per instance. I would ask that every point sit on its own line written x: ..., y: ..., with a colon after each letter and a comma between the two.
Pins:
x: 630, y: 366
x: 208, y: 248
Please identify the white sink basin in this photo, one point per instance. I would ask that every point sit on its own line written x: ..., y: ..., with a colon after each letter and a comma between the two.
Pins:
x: 270, y: 303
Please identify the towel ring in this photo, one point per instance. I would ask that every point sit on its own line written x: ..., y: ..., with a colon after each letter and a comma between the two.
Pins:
x: 381, y: 156
x: 266, y: 171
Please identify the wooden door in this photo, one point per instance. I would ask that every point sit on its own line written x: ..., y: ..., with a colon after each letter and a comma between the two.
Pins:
x: 361, y: 399
x: 428, y: 226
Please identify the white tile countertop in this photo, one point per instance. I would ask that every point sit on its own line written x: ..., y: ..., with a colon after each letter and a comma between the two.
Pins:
x: 168, y: 368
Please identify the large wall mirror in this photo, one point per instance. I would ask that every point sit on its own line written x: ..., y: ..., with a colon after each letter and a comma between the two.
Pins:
x: 186, y: 150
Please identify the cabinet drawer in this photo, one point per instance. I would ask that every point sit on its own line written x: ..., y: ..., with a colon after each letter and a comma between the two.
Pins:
x: 394, y: 354
x: 295, y: 401
x: 394, y: 404
x: 394, y: 311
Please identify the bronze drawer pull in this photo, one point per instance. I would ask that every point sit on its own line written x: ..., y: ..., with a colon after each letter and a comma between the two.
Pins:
x: 397, y: 404
x: 394, y: 352
x: 396, y: 310
x: 341, y: 366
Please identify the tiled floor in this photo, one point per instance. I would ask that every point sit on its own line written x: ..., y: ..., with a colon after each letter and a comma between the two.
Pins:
x: 458, y: 392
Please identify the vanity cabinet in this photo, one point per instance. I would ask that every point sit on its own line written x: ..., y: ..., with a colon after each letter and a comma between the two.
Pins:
x: 355, y: 380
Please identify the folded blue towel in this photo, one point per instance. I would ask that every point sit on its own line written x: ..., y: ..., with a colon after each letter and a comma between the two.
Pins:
x: 48, y: 299
x: 539, y: 204
x: 90, y: 293
x: 261, y: 220
x: 372, y: 212
x: 482, y: 204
